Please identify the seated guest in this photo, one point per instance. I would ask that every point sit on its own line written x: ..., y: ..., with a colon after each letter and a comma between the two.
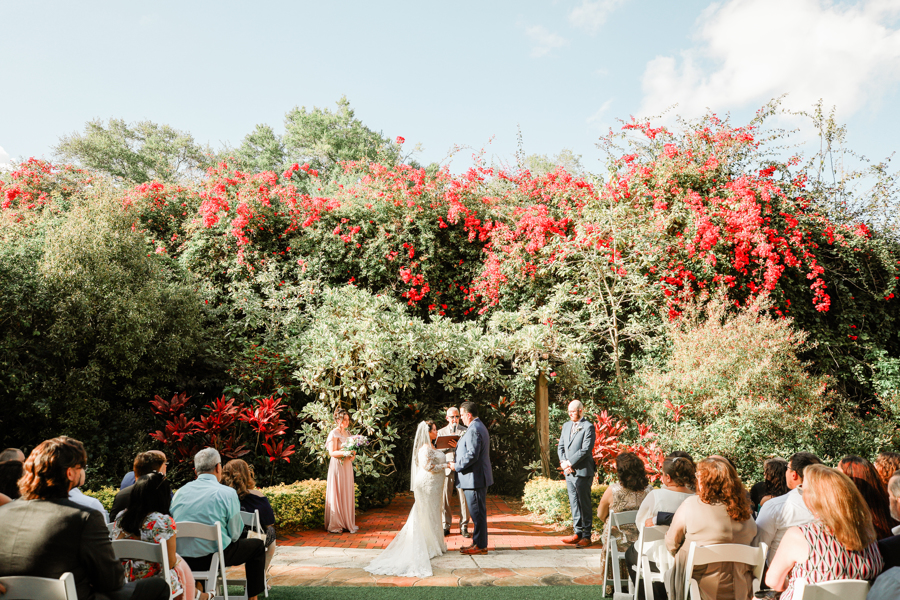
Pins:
x: 206, y: 500
x: 12, y: 454
x: 873, y: 491
x: 838, y: 544
x: 678, y: 475
x: 774, y: 474
x: 147, y: 519
x: 78, y: 497
x: 239, y: 475
x: 10, y: 473
x: 886, y: 586
x: 152, y: 461
x: 890, y: 546
x: 786, y: 511
x: 887, y: 463
x: 625, y: 494
x: 718, y: 514
x: 45, y: 534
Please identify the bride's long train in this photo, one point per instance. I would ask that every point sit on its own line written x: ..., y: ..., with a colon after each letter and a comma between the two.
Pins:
x: 422, y: 537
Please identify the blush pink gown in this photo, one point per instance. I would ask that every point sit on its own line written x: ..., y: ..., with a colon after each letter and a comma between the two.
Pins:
x: 340, y: 505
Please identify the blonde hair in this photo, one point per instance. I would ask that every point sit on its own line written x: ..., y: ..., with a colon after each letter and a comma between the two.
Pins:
x: 833, y: 499
x: 239, y: 475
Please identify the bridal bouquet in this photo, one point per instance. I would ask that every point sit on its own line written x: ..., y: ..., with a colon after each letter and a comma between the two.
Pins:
x: 355, y: 443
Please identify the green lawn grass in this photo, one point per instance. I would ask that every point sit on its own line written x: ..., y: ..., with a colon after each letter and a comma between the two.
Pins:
x: 578, y: 592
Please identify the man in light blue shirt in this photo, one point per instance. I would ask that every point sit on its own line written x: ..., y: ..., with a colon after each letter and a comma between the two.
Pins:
x: 206, y: 500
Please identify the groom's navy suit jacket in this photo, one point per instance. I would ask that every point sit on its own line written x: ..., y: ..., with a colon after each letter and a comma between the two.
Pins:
x: 578, y: 449
x: 473, y: 460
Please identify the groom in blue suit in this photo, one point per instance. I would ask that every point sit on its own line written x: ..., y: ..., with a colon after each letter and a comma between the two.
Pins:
x: 576, y: 459
x: 473, y: 474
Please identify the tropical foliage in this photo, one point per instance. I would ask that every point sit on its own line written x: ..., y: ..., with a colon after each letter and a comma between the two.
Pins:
x: 705, y: 292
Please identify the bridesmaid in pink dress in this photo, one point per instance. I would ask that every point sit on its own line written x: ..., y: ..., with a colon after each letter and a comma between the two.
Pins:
x: 340, y: 503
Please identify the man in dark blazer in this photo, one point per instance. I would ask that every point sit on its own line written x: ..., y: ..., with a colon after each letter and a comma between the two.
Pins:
x: 44, y: 534
x: 890, y: 546
x: 576, y: 459
x: 473, y: 474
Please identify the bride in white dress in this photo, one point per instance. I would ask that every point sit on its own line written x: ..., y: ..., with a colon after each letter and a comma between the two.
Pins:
x: 421, y: 538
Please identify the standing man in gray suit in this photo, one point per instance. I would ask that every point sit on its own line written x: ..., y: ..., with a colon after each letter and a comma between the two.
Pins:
x: 576, y: 459
x: 474, y: 475
x: 454, y: 427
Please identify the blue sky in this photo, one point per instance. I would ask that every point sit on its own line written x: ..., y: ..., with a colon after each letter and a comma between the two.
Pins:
x: 443, y: 74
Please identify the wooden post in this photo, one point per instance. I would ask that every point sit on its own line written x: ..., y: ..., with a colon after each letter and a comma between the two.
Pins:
x: 542, y: 421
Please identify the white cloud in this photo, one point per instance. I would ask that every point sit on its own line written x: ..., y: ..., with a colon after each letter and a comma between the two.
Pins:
x: 5, y: 161
x: 750, y: 51
x: 592, y: 14
x: 598, y: 115
x: 543, y: 41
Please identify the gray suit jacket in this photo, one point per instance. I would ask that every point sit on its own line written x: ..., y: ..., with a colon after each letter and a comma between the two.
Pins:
x: 46, y: 538
x: 473, y: 460
x: 578, y: 449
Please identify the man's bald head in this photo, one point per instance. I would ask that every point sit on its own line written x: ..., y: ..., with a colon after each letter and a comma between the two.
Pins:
x: 453, y: 415
x: 576, y: 410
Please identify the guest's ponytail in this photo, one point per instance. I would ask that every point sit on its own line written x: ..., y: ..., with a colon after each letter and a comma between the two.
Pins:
x: 681, y: 470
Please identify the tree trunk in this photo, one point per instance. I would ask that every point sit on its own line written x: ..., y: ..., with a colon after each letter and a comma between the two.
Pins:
x: 542, y: 421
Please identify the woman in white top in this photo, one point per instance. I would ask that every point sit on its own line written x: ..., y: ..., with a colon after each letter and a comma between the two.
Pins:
x: 678, y: 474
x: 678, y: 480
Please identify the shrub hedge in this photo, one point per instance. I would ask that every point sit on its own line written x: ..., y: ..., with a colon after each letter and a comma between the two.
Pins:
x: 105, y: 495
x: 549, y: 500
x: 298, y: 506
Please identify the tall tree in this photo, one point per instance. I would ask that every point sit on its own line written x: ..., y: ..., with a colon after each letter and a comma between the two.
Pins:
x: 138, y: 152
x: 261, y: 150
x: 324, y: 138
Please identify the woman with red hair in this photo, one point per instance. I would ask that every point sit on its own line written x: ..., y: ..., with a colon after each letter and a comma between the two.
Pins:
x: 719, y: 514
x: 838, y: 544
x: 873, y: 490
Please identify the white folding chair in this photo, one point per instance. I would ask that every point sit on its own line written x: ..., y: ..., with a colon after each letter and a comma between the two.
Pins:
x: 147, y: 551
x: 22, y: 587
x: 716, y: 553
x: 612, y: 551
x: 252, y: 521
x: 110, y: 527
x: 650, y: 540
x: 216, y: 571
x: 839, y: 589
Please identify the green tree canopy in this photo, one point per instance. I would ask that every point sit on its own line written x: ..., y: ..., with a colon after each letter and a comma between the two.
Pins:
x: 138, y: 152
x: 261, y: 150
x: 324, y: 138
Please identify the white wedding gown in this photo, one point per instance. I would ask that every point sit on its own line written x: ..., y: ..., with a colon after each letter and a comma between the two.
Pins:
x: 422, y: 537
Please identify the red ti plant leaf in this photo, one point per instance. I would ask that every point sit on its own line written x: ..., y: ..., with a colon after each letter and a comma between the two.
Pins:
x: 606, y: 445
x: 265, y: 418
x: 276, y: 451
x: 222, y: 415
x: 167, y: 407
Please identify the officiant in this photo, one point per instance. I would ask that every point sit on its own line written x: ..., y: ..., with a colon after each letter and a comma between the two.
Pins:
x: 451, y: 493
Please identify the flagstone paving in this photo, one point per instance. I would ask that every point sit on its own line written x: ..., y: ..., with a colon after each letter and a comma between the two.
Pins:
x: 521, y: 552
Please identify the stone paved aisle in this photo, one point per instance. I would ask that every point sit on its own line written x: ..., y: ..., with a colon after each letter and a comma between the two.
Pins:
x: 521, y: 552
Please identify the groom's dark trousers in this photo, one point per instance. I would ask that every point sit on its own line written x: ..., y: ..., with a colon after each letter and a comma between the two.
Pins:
x: 477, y: 501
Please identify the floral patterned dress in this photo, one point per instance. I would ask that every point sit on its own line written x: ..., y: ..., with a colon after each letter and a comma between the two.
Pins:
x: 157, y: 526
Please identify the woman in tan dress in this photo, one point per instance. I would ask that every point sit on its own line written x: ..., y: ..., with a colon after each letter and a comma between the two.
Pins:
x: 340, y: 502
x: 718, y: 514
